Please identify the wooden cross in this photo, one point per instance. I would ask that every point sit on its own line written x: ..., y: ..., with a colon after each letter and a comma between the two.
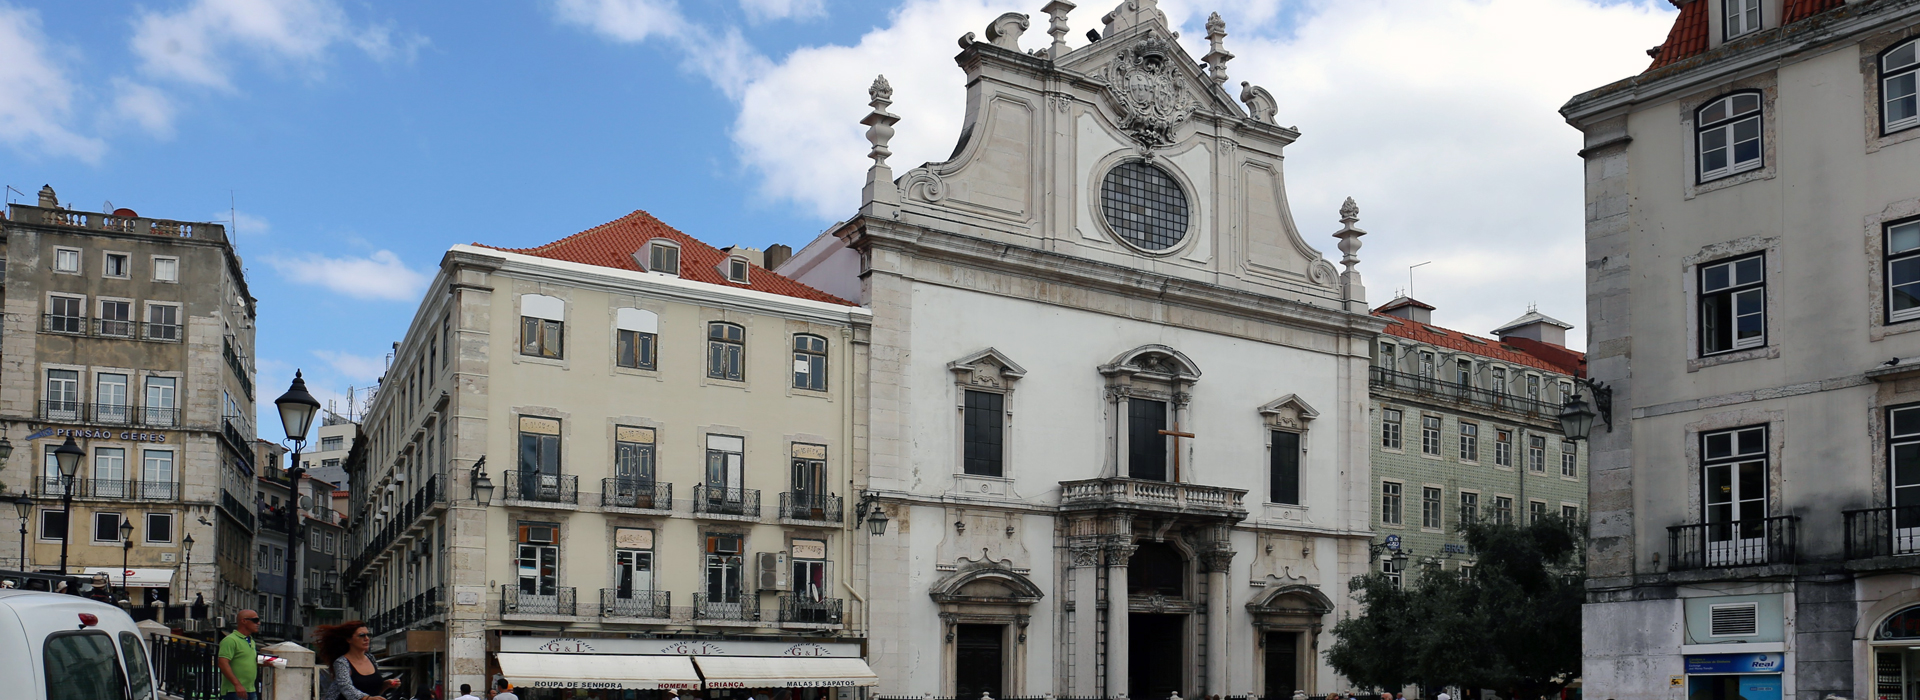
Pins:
x: 1176, y: 435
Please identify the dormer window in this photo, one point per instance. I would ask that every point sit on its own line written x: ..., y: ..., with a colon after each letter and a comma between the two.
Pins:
x: 736, y: 270
x: 664, y: 258
x: 1743, y: 17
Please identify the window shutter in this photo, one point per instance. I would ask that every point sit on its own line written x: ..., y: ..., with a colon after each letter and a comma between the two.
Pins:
x: 1736, y: 620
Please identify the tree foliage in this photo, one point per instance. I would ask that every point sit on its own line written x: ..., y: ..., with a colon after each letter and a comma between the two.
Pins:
x: 1512, y: 625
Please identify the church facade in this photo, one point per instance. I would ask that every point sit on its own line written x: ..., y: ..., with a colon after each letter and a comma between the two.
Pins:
x: 1117, y: 402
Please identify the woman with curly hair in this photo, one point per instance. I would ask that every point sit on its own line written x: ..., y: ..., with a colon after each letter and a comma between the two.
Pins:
x: 343, y: 648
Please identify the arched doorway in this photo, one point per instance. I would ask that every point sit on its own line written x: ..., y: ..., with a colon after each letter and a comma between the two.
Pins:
x: 1159, y: 612
x: 1896, y: 661
x: 1288, y: 620
x: 985, y: 607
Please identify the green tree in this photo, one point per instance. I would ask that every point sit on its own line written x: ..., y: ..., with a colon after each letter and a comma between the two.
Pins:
x: 1512, y: 624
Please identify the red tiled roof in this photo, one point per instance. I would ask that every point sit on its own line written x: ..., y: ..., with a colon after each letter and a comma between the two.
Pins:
x: 613, y: 244
x: 1519, y: 351
x: 1797, y: 10
x: 1688, y: 37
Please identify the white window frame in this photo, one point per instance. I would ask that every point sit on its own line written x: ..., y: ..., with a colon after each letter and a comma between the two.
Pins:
x: 79, y: 261
x: 1734, y: 292
x: 93, y: 523
x: 1729, y: 139
x: 1393, y: 502
x: 160, y: 261
x: 1890, y: 257
x: 736, y: 269
x: 1392, y: 418
x: 1537, y: 454
x: 1908, y: 51
x: 1464, y: 513
x: 1569, y: 459
x: 1740, y: 18
x: 1430, y: 436
x: 106, y: 260
x: 147, y: 323
x: 40, y: 525
x: 1469, y: 442
x: 1536, y: 510
x: 1433, y: 511
x: 655, y: 249
x: 147, y: 536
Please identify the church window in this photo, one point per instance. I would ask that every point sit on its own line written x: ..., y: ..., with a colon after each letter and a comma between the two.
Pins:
x: 726, y: 351
x: 1283, y: 462
x: 1146, y: 440
x: 985, y: 428
x: 664, y: 258
x: 1727, y: 133
x: 1899, y: 101
x: 1144, y: 205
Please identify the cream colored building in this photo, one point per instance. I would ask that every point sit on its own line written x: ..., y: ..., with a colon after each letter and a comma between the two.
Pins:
x: 667, y: 429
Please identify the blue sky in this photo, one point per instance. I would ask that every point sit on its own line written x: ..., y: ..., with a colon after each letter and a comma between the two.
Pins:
x: 358, y: 140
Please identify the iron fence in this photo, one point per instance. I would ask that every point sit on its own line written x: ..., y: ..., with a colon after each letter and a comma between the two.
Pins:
x: 184, y: 668
x: 719, y: 501
x: 819, y: 507
x: 133, y: 489
x: 800, y: 608
x: 615, y: 602
x: 745, y: 607
x: 559, y: 601
x: 1463, y: 393
x: 636, y: 493
x: 541, y: 487
x: 163, y: 332
x: 1758, y: 542
x: 62, y: 323
x: 1882, y: 532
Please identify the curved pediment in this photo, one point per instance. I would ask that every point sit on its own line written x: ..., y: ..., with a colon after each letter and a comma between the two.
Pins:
x: 986, y: 584
x: 1156, y: 361
x: 1294, y: 601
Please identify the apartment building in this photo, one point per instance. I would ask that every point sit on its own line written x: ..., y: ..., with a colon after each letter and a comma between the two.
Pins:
x: 326, y: 457
x: 133, y: 336
x: 1467, y: 428
x: 623, y: 435
x: 1752, y: 228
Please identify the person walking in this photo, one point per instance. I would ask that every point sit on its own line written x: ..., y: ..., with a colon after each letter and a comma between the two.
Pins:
x: 239, y: 659
x: 466, y: 693
x: 343, y: 648
x: 505, y: 691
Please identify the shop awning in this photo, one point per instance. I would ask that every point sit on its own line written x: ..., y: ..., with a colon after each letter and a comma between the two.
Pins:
x: 592, y: 672
x: 784, y: 672
x: 136, y: 578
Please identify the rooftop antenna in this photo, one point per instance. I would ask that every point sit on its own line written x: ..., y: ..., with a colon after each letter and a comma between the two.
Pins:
x: 11, y: 192
x: 233, y: 217
x: 1410, y: 277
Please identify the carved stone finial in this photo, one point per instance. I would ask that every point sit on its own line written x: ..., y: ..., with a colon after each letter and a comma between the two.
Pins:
x: 47, y: 198
x: 1349, y: 234
x: 1260, y: 104
x: 1056, y: 12
x: 966, y: 41
x: 881, y: 91
x: 880, y: 189
x: 1217, y: 58
x: 1349, y: 211
x: 1145, y: 87
x: 1006, y: 29
x: 1134, y: 12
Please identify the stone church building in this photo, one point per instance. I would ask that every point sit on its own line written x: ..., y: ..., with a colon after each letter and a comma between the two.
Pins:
x: 1117, y: 401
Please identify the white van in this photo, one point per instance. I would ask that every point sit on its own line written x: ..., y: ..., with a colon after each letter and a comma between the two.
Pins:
x: 62, y: 647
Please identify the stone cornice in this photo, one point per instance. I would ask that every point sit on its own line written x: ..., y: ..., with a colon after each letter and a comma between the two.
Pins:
x: 939, y: 246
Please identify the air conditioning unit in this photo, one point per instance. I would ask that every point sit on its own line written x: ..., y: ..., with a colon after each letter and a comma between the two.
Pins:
x: 772, y: 570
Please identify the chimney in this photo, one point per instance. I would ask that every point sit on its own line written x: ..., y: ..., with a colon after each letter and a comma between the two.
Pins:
x: 1408, y: 308
x: 47, y: 200
x: 1534, y: 325
x: 777, y: 255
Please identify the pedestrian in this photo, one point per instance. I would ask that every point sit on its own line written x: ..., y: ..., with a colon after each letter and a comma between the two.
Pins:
x: 239, y: 659
x: 505, y: 690
x: 343, y: 648
x: 466, y: 692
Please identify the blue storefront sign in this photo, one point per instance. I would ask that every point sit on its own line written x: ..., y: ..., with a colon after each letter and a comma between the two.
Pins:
x: 1737, y: 663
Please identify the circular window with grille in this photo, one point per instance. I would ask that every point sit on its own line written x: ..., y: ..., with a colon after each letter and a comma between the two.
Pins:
x: 1144, y: 205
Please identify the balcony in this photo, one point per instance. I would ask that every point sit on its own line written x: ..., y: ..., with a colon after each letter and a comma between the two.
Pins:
x: 738, y: 503
x: 1882, y: 532
x: 108, y: 414
x: 232, y: 507
x: 803, y: 609
x: 61, y: 324
x: 1155, y: 496
x: 161, y: 332
x: 1723, y: 545
x: 1433, y: 387
x: 514, y: 601
x: 636, y: 493
x: 275, y: 519
x: 821, y: 508
x: 124, y: 489
x: 238, y: 367
x: 113, y: 328
x: 26, y: 214
x: 745, y: 607
x: 65, y: 325
x: 540, y: 487
x: 647, y: 605
x: 66, y: 411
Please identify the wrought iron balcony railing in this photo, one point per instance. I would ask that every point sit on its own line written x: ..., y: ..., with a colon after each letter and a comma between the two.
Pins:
x: 130, y: 489
x: 807, y: 609
x: 553, y: 600
x: 817, y: 507
x: 1882, y: 532
x: 60, y: 323
x: 636, y: 493
x: 739, y: 606
x: 718, y: 501
x: 163, y: 332
x: 1463, y: 393
x: 541, y: 487
x: 617, y: 603
x: 1757, y: 542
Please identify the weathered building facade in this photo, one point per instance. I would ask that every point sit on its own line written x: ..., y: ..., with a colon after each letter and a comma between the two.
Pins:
x: 1751, y: 217
x: 134, y: 336
x: 624, y: 433
x: 1117, y: 401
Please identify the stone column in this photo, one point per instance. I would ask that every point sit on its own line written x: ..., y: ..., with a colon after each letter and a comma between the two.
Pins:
x: 1083, y: 579
x: 1118, y: 551
x: 297, y: 680
x: 1217, y: 562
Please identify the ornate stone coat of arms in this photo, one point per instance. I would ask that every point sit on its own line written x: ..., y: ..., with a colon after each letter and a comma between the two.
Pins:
x: 1147, y: 90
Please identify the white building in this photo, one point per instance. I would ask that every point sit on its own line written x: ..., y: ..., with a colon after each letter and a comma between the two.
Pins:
x: 1752, y: 236
x: 1117, y: 401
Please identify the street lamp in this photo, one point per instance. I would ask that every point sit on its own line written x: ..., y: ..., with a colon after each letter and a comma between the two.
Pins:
x: 482, y: 486
x: 1576, y: 419
x: 297, y: 408
x: 186, y: 561
x: 23, y: 506
x: 869, y: 510
x: 68, y: 456
x: 126, y: 548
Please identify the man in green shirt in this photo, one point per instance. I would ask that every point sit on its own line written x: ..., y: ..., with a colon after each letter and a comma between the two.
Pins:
x: 239, y: 659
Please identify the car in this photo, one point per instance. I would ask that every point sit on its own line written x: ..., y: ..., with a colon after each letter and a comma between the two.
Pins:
x: 60, y: 646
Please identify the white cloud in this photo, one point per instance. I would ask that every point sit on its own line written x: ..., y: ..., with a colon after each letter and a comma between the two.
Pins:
x: 624, y: 20
x: 723, y: 58
x: 144, y: 105
x: 355, y: 368
x: 36, y: 96
x: 378, y: 276
x: 768, y: 10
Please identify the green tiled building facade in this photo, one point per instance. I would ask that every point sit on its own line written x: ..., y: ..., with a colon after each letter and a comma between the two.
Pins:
x: 1466, y: 427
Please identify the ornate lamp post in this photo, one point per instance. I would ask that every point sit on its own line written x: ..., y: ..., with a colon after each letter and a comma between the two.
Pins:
x: 23, y: 506
x: 1576, y: 419
x: 186, y: 563
x: 126, y: 548
x: 297, y: 408
x: 68, y: 456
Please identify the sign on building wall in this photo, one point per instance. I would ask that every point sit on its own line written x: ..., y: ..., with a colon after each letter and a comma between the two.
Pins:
x: 672, y: 647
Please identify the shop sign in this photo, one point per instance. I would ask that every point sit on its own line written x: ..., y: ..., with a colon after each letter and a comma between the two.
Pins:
x: 95, y: 434
x: 683, y: 647
x: 1736, y: 663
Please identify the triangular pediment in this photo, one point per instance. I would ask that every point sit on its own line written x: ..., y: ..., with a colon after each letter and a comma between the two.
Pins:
x: 1291, y: 403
